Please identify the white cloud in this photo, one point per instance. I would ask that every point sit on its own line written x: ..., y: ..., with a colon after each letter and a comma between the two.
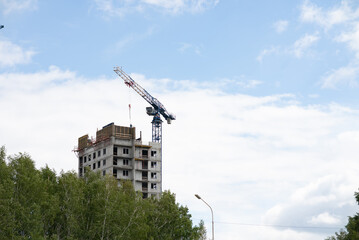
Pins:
x: 303, y: 44
x: 185, y: 47
x: 178, y: 6
x: 123, y: 43
x: 299, y: 48
x: 173, y: 5
x: 346, y: 17
x: 313, y: 95
x: 165, y: 84
x: 241, y: 82
x: 267, y: 52
x: 312, y: 203
x: 325, y: 218
x: 351, y: 38
x: 281, y: 26
x: 259, y: 233
x: 121, y: 8
x: 344, y: 76
x: 128, y: 41
x: 337, y: 15
x: 108, y: 7
x: 34, y: 82
x: 249, y: 83
x: 12, y: 54
x: 249, y: 157
x: 10, y: 6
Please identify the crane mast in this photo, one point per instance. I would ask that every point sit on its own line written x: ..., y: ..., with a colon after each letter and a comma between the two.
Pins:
x: 156, y: 110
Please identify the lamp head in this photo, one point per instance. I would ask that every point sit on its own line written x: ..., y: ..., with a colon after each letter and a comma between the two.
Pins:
x: 197, y: 196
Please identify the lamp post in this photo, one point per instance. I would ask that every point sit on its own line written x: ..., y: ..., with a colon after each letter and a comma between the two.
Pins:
x: 197, y: 196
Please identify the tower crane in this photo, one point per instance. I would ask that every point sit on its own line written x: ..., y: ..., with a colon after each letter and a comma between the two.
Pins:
x: 156, y: 110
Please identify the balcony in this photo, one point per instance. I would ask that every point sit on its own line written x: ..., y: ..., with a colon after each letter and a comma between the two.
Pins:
x: 143, y: 156
x: 124, y: 166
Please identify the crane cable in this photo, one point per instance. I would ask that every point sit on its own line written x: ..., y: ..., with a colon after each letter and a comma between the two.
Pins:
x: 129, y: 106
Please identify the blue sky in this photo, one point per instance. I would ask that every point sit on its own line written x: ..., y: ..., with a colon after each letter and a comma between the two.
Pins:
x: 237, y: 40
x: 265, y: 90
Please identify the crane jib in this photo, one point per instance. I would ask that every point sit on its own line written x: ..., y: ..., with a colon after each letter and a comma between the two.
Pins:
x: 158, y: 108
x: 157, y: 105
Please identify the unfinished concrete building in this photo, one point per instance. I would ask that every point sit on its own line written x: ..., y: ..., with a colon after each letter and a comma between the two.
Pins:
x: 116, y: 151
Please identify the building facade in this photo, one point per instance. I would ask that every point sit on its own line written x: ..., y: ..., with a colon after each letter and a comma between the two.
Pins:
x: 117, y: 152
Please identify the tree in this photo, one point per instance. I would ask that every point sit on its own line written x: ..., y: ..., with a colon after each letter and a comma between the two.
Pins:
x: 351, y: 231
x: 38, y: 204
x: 168, y: 220
x: 6, y: 191
x: 50, y: 206
x: 27, y: 197
x: 342, y: 235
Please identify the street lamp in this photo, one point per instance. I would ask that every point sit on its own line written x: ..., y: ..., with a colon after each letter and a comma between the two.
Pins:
x: 1, y: 26
x: 197, y: 196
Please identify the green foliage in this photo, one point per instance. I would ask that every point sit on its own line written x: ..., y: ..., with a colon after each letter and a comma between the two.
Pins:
x: 38, y: 204
x: 351, y: 231
x: 342, y: 235
x: 6, y: 193
x: 166, y: 213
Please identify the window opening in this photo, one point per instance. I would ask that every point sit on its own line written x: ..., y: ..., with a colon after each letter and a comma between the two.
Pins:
x: 145, y: 153
x: 144, y: 164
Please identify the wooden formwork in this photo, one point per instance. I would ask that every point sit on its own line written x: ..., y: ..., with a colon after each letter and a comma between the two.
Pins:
x: 116, y: 131
x: 125, y: 132
x: 105, y: 132
x: 82, y: 142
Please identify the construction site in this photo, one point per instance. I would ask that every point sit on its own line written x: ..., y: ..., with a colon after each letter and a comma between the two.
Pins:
x: 116, y: 151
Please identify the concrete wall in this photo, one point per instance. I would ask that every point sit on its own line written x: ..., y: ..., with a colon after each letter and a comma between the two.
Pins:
x: 133, y: 150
